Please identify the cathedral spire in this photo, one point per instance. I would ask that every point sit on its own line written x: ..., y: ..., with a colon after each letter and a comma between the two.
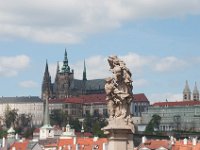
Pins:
x: 195, y: 93
x: 186, y: 92
x: 46, y: 84
x: 65, y: 67
x: 84, y: 72
x: 58, y: 68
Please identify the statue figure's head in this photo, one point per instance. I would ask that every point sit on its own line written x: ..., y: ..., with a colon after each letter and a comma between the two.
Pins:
x: 109, y: 80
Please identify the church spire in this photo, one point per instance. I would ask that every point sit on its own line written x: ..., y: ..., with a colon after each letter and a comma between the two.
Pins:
x: 58, y: 68
x: 65, y: 67
x: 46, y: 84
x: 186, y: 92
x: 84, y: 73
x: 195, y: 93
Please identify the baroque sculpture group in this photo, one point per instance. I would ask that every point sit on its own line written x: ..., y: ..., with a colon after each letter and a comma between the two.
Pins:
x: 119, y: 90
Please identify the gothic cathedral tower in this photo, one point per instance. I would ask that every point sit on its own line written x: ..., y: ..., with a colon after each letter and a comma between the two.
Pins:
x: 63, y: 79
x: 46, y: 84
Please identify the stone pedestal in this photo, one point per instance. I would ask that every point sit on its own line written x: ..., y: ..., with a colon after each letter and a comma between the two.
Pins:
x: 120, y: 134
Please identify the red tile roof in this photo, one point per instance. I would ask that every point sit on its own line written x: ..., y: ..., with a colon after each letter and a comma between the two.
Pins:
x: 155, y: 144
x: 95, y: 99
x: 86, y: 134
x: 20, y: 145
x: 181, y: 103
x: 189, y: 146
x: 141, y: 97
x: 87, y: 143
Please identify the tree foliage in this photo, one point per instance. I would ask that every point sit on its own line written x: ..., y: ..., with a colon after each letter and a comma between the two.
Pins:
x: 94, y: 125
x: 10, y: 116
x: 58, y: 117
x: 153, y: 124
x: 24, y: 120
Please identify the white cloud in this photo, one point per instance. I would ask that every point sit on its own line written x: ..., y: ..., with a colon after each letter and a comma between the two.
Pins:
x: 70, y: 21
x: 52, y: 70
x: 136, y: 61
x: 163, y: 97
x: 28, y: 84
x: 140, y: 83
x: 97, y: 66
x: 10, y: 66
x: 169, y: 64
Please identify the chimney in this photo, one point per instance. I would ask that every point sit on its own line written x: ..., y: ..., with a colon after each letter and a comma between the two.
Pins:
x: 77, y: 147
x: 194, y: 141
x: 69, y: 147
x: 3, y: 142
x: 13, y: 148
x: 74, y: 140
x: 185, y: 141
x: 172, y: 140
x: 16, y: 136
x: 95, y: 138
x: 144, y: 139
x: 105, y: 146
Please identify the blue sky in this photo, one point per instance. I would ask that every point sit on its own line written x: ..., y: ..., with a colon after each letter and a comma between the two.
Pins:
x: 158, y: 40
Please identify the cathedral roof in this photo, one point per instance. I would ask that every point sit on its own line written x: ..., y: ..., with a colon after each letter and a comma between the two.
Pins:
x: 95, y: 84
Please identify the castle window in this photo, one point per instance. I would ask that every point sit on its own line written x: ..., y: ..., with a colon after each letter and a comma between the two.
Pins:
x: 185, y: 96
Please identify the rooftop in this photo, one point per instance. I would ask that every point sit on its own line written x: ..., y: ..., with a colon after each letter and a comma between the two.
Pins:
x: 180, y: 103
x: 95, y: 98
x: 20, y: 99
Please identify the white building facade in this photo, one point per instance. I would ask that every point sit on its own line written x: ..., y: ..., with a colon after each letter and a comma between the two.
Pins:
x: 30, y: 105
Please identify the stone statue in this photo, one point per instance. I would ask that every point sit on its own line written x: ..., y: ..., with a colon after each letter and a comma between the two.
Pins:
x: 119, y: 95
x: 118, y: 89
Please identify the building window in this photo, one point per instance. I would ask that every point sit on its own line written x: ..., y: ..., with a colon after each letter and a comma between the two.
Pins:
x: 96, y: 113
x: 66, y: 105
x: 105, y: 113
x: 87, y: 112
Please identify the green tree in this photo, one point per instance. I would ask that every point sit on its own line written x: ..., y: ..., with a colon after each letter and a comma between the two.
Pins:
x: 94, y: 125
x: 75, y: 124
x: 3, y: 133
x: 24, y: 120
x: 58, y: 117
x: 96, y: 129
x: 153, y: 124
x: 10, y: 116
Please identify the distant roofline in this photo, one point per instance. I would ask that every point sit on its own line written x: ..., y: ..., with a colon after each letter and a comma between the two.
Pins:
x: 95, y: 99
x: 177, y: 103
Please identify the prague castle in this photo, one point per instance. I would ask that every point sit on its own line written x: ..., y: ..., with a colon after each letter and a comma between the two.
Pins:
x: 65, y: 85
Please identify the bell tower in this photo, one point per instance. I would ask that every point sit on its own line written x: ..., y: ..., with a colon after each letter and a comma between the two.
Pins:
x: 186, y: 92
x: 195, y: 93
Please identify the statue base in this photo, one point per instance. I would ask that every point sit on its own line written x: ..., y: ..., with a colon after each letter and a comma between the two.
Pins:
x: 120, y: 134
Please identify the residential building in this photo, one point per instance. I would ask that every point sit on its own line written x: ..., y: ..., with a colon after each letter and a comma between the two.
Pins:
x: 139, y: 104
x: 31, y: 105
x: 95, y: 104
x: 72, y: 106
x: 183, y: 115
x: 180, y: 115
